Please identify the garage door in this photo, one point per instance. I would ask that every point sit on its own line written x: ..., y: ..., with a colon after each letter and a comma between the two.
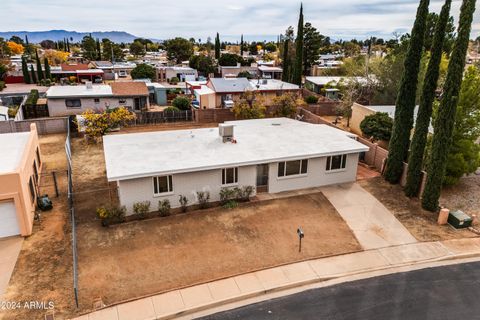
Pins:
x: 8, y: 220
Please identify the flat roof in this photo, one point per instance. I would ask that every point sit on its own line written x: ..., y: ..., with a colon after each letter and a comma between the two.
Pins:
x: 100, y: 90
x: 137, y: 155
x: 272, y: 84
x: 12, y: 147
x: 321, y: 81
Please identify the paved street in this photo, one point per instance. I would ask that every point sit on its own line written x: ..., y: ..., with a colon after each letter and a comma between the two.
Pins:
x: 449, y: 292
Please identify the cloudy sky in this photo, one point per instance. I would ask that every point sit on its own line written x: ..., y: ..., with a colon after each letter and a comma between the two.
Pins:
x: 163, y: 19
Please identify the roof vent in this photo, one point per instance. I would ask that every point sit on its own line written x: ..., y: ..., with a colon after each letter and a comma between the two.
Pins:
x: 226, y: 132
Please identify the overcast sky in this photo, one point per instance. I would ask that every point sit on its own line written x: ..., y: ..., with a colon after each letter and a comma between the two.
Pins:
x: 163, y: 19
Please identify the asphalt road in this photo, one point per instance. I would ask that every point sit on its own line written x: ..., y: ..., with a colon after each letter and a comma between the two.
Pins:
x: 451, y: 292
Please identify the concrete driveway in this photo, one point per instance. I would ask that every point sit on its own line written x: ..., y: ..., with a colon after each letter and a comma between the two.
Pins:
x: 9, y: 250
x: 373, y: 224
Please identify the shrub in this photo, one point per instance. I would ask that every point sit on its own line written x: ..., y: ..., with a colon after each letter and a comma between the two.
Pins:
x: 32, y: 97
x: 171, y: 109
x: 236, y: 194
x: 183, y: 203
x: 231, y: 204
x: 203, y: 198
x: 378, y: 126
x: 2, y: 85
x: 247, y: 192
x: 141, y: 209
x: 174, y: 80
x: 164, y: 208
x: 143, y: 71
x: 111, y: 214
x: 227, y: 194
x: 12, y: 111
x: 182, y: 103
x: 311, y: 99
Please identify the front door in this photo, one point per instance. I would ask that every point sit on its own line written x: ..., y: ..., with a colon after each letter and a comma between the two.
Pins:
x: 262, y: 178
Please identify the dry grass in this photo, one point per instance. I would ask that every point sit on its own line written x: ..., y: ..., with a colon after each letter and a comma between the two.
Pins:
x: 146, y: 257
x: 421, y: 224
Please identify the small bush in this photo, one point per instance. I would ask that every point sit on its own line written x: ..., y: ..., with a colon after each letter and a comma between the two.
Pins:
x: 235, y: 194
x: 379, y: 126
x: 174, y: 80
x: 311, y: 99
x: 32, y: 97
x: 141, y: 209
x: 231, y: 204
x: 164, y: 208
x: 171, y: 109
x: 203, y: 198
x: 183, y: 203
x: 111, y: 214
x: 181, y: 103
x: 247, y: 192
x: 227, y: 194
x: 2, y: 85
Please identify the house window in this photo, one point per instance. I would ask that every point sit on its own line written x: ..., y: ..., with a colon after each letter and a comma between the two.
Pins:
x: 35, y: 171
x: 73, y: 103
x: 38, y: 157
x: 162, y: 185
x: 32, y: 190
x: 292, y: 168
x: 122, y: 101
x: 96, y: 100
x: 229, y: 176
x: 338, y: 162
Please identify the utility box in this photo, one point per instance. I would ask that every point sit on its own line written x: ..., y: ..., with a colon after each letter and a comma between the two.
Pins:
x: 459, y: 219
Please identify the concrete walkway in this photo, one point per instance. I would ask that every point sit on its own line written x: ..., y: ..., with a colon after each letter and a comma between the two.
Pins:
x: 183, y: 303
x: 9, y: 251
x: 374, y: 225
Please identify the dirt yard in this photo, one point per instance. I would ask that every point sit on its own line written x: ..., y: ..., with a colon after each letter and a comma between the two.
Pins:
x: 145, y: 257
x: 422, y: 224
x: 44, y: 268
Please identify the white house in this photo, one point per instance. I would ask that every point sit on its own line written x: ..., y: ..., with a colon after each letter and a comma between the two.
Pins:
x: 273, y: 155
x: 74, y: 100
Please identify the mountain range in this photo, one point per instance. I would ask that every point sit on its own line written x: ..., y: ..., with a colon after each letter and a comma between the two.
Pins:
x: 73, y: 36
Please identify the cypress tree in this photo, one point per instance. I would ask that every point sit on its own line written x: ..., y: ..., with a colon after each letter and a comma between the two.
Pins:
x: 298, y: 68
x: 27, y: 45
x: 26, y: 74
x: 286, y: 61
x: 405, y: 105
x: 217, y: 47
x: 241, y: 46
x: 419, y: 141
x: 99, y: 50
x: 47, y: 68
x: 445, y: 121
x: 40, y: 75
x: 34, y: 76
x: 68, y: 46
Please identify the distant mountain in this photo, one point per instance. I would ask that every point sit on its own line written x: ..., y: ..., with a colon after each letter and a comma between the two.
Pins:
x: 73, y: 36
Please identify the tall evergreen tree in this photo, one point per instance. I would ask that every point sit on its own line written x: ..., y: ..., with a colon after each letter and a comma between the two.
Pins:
x: 27, y: 45
x: 286, y: 61
x: 68, y: 45
x: 445, y: 120
x: 40, y: 75
x: 34, y: 76
x: 419, y: 141
x: 241, y: 46
x: 26, y: 74
x: 47, y: 68
x: 217, y: 47
x: 298, y: 67
x: 98, y: 49
x: 405, y: 105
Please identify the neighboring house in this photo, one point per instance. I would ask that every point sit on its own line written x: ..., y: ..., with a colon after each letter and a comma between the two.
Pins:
x: 20, y: 168
x: 165, y: 74
x: 233, y: 71
x: 3, y: 113
x: 359, y: 112
x: 113, y: 71
x: 317, y: 84
x: 272, y: 155
x: 74, y: 100
x: 229, y: 90
x: 82, y: 72
x: 267, y: 72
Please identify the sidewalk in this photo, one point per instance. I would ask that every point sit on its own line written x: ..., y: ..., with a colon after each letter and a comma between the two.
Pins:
x: 214, y: 294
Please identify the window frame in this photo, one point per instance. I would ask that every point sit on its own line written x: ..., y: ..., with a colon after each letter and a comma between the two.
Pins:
x: 31, y: 188
x: 39, y: 158
x: 302, y: 172
x: 235, y: 176
x: 96, y: 100
x: 343, y: 163
x: 71, y: 100
x: 156, y: 186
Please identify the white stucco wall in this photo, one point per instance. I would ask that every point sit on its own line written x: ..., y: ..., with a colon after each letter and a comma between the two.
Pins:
x: 187, y: 184
x: 316, y: 176
x: 57, y: 107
